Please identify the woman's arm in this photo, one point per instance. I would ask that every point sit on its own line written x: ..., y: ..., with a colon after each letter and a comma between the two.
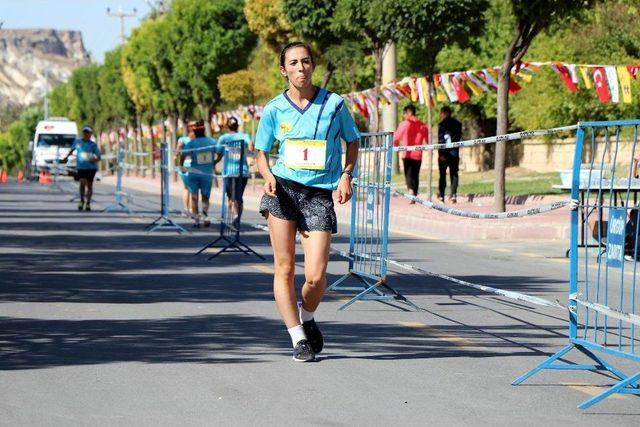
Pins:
x: 344, y: 186
x: 265, y: 172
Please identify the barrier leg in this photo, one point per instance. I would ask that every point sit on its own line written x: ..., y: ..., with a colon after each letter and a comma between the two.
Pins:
x: 620, y: 387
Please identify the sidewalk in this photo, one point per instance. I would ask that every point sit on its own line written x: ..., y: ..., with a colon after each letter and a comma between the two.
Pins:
x: 420, y: 221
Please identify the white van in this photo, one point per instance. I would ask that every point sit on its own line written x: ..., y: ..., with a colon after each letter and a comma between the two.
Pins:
x: 54, y: 137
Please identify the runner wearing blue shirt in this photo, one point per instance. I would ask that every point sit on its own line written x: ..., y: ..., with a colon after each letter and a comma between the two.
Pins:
x: 87, y: 158
x: 309, y: 124
x: 184, y: 173
x: 200, y: 150
x: 234, y: 184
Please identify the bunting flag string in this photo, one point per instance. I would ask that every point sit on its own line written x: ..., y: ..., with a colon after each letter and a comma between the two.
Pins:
x: 612, y: 83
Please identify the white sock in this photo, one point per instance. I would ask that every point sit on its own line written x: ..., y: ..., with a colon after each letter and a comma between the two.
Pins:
x: 305, y: 315
x: 297, y: 334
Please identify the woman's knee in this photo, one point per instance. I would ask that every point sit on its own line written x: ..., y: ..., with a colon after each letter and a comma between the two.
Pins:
x: 315, y: 281
x: 285, y: 269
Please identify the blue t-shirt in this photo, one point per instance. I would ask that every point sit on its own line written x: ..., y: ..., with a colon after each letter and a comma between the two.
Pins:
x: 201, y: 157
x: 184, y: 140
x: 231, y: 165
x: 85, y: 152
x: 326, y: 117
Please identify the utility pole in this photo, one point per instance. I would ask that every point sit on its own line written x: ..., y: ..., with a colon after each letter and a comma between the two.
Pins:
x: 122, y: 15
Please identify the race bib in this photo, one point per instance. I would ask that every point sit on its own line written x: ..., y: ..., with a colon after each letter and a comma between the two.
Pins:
x: 204, y: 157
x: 305, y: 154
x: 85, y: 156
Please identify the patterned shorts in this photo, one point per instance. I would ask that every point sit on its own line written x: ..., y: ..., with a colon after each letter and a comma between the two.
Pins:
x: 311, y: 208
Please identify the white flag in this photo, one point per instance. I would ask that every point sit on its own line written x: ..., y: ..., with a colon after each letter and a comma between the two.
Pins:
x: 612, y: 79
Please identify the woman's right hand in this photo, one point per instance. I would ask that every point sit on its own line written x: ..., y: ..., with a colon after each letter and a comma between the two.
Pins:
x: 270, y: 185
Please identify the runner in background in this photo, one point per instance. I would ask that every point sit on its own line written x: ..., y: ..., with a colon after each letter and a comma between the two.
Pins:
x: 200, y: 149
x: 88, y: 156
x: 411, y: 132
x: 184, y: 173
x: 234, y: 185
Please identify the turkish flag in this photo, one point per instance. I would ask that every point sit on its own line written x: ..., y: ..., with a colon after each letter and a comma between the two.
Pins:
x: 600, y: 82
x: 564, y: 73
x: 633, y: 70
x: 463, y: 96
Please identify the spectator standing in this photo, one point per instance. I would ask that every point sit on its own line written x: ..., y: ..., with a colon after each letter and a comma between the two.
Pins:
x: 411, y: 131
x: 449, y: 130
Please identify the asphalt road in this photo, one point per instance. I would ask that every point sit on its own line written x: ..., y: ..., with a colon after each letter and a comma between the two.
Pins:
x: 102, y: 323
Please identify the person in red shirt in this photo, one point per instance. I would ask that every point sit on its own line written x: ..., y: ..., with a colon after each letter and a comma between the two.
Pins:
x: 411, y: 132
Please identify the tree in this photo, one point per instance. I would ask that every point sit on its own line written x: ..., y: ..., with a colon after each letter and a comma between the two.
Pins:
x: 372, y: 21
x: 83, y: 95
x: 116, y: 106
x: 266, y: 18
x: 214, y: 39
x: 243, y: 87
x: 312, y: 21
x: 531, y: 17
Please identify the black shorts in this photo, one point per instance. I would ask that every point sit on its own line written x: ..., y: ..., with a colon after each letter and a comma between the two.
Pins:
x: 87, y: 174
x: 311, y: 208
x: 234, y: 187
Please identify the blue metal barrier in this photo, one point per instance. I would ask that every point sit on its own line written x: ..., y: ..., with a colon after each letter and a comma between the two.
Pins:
x: 369, y: 234
x: 235, y: 172
x: 118, y: 205
x: 603, y: 291
x: 164, y: 222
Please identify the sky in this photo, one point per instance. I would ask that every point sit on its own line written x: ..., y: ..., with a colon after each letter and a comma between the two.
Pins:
x: 100, y: 32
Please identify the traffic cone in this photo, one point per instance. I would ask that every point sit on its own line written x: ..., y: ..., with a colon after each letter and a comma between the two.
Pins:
x: 3, y: 177
x: 40, y: 177
x: 47, y: 177
x: 20, y: 176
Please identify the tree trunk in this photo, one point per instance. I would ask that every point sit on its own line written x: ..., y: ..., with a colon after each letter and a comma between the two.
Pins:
x: 378, y: 54
x: 205, y: 110
x: 501, y: 129
x: 152, y: 148
x: 328, y: 74
x: 139, y: 144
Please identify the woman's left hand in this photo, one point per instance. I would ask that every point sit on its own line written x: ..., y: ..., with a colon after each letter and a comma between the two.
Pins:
x: 344, y: 189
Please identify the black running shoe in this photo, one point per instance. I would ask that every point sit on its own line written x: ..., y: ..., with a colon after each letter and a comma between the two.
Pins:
x: 314, y: 335
x: 87, y: 207
x: 303, y: 352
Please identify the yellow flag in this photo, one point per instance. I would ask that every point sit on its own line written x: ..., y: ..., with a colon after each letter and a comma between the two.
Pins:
x: 474, y: 87
x: 625, y: 83
x: 585, y: 77
x: 414, y: 94
x: 524, y: 76
x: 440, y: 95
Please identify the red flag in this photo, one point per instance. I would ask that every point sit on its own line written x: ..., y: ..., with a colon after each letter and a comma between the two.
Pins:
x: 462, y: 94
x: 633, y: 70
x: 513, y: 86
x: 600, y: 82
x: 564, y: 73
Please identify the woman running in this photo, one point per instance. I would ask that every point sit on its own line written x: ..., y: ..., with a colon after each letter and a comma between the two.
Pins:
x: 308, y: 124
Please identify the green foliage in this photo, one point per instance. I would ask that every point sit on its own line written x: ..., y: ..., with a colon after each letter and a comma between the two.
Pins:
x: 116, y: 107
x: 266, y: 18
x: 243, y: 87
x: 83, y: 93
x: 14, y: 143
x: 214, y: 39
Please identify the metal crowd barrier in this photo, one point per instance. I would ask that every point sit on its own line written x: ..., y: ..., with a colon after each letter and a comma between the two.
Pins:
x: 369, y: 234
x: 603, y: 290
x: 118, y: 205
x: 231, y: 221
x: 164, y: 221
